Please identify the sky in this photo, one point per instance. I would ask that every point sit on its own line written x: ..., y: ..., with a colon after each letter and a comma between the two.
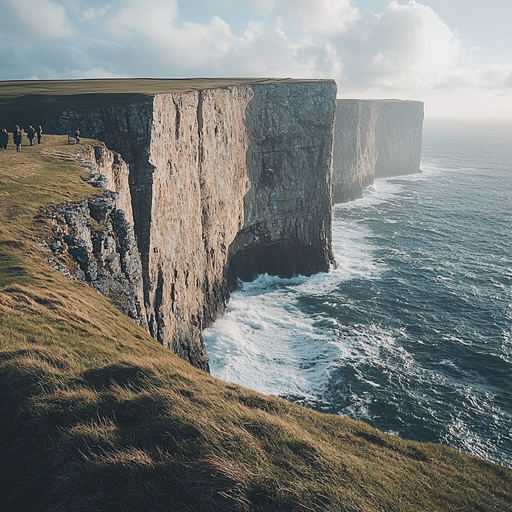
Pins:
x: 454, y: 55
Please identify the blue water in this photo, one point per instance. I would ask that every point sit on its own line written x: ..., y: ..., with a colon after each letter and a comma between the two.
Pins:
x: 412, y: 333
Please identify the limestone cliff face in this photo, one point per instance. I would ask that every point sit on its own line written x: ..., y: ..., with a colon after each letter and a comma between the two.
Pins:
x: 398, y: 138
x: 355, y: 151
x: 224, y: 184
x: 374, y: 138
x: 287, y: 219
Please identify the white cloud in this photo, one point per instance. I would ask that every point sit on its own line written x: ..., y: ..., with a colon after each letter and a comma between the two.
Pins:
x: 91, y: 14
x: 40, y: 20
x: 141, y: 18
x: 323, y: 16
x: 405, y: 51
x: 408, y: 46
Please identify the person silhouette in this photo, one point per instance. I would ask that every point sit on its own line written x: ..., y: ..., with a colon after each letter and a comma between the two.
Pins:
x: 4, y: 139
x: 31, y: 133
x: 18, y: 138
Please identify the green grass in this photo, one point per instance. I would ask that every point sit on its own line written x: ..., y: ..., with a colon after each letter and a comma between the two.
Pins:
x: 96, y: 415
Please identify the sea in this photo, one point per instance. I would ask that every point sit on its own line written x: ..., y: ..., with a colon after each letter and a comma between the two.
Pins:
x: 412, y: 332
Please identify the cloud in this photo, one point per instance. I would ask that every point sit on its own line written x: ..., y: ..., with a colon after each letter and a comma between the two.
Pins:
x: 408, y: 46
x: 141, y: 19
x: 406, y: 49
x: 26, y: 20
x: 323, y: 16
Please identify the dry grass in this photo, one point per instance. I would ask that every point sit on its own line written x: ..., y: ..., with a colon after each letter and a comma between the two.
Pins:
x: 95, y: 415
x: 17, y: 88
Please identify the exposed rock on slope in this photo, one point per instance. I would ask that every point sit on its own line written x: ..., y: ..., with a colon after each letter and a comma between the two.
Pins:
x: 374, y: 138
x: 98, y: 234
x: 224, y: 184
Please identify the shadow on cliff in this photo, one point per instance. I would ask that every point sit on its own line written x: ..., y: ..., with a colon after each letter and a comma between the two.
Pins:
x: 287, y: 210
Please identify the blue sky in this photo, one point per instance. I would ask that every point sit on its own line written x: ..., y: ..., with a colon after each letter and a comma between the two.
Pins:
x: 455, y: 55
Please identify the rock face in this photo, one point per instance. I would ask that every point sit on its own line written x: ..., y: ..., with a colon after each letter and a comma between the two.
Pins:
x: 398, y: 138
x: 98, y: 234
x: 374, y: 138
x: 355, y: 151
x: 224, y: 184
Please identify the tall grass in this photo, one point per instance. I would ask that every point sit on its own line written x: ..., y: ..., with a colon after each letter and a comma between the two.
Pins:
x: 95, y: 415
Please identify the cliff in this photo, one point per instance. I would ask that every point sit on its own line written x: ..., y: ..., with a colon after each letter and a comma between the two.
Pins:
x: 223, y: 183
x: 398, y: 137
x: 374, y: 138
x: 98, y: 234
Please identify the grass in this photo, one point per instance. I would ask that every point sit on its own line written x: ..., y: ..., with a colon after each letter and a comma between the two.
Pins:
x: 95, y: 415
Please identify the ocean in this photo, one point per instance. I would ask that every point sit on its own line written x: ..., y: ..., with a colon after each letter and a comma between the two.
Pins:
x: 412, y: 333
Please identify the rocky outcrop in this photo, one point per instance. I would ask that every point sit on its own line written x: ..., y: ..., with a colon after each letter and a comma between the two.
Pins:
x: 224, y: 184
x: 374, y: 138
x: 98, y: 234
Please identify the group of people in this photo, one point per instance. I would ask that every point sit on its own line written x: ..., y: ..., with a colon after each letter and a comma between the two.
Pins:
x: 32, y: 133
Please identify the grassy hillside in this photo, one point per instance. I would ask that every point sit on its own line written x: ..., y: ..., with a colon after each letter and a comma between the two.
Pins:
x: 96, y: 415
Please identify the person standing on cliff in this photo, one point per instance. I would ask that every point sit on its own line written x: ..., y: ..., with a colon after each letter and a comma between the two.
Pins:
x: 4, y: 139
x: 77, y: 136
x: 39, y: 132
x: 31, y: 134
x: 18, y: 138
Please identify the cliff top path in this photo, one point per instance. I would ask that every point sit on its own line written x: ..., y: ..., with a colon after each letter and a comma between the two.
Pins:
x: 97, y: 415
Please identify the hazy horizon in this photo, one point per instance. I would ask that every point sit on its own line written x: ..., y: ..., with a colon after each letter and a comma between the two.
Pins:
x: 454, y: 56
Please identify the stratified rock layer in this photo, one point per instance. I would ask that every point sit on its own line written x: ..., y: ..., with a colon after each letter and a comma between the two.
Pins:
x: 224, y: 184
x: 374, y: 138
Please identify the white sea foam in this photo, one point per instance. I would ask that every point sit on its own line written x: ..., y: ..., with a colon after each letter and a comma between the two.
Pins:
x: 379, y: 192
x: 269, y: 342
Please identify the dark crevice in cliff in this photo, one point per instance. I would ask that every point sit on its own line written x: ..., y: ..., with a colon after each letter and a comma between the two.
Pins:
x: 215, y: 290
x: 200, y: 123
x: 285, y: 259
x: 155, y: 317
x: 177, y: 120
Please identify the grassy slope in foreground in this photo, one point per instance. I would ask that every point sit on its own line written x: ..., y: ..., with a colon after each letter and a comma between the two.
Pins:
x: 96, y: 415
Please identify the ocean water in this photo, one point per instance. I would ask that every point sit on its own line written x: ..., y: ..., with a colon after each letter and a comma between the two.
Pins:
x: 412, y: 333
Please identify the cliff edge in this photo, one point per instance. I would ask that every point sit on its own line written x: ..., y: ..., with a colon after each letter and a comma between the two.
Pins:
x: 224, y: 183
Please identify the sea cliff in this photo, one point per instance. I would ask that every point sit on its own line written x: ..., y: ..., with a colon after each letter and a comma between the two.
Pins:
x: 374, y: 138
x: 222, y: 184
